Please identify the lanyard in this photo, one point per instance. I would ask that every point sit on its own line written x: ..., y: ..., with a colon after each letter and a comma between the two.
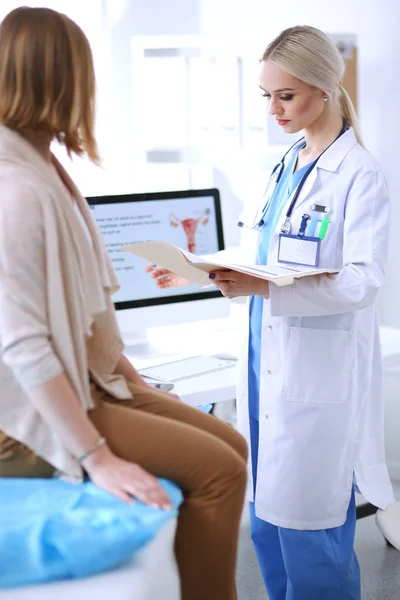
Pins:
x: 276, y: 174
x: 285, y: 228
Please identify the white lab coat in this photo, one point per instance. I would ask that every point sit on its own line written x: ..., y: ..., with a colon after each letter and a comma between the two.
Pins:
x: 321, y: 400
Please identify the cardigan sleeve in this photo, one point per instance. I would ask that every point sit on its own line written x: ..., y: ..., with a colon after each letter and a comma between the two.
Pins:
x: 25, y: 341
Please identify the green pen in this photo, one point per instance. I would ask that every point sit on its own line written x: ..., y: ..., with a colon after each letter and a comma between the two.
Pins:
x: 323, y: 228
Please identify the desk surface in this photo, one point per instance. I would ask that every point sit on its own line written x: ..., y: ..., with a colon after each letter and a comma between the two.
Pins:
x: 219, y: 336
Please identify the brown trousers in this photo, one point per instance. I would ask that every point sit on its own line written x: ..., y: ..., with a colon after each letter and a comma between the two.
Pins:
x: 207, y: 459
x: 203, y: 455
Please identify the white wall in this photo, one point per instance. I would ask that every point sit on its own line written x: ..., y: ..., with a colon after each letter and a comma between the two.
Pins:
x: 376, y: 25
x: 110, y: 26
x: 124, y: 19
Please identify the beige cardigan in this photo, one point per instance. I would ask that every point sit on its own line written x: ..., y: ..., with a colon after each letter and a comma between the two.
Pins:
x: 55, y: 286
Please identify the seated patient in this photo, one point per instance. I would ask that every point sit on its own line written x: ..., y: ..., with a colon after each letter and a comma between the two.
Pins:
x: 70, y: 401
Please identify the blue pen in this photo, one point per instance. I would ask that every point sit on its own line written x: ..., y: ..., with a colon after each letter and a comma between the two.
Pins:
x: 303, y: 225
x: 312, y: 226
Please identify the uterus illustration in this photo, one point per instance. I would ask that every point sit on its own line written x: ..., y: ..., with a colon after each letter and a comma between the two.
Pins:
x: 190, y: 226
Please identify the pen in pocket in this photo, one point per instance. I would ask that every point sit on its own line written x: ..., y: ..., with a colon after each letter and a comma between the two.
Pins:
x: 312, y: 226
x: 323, y: 228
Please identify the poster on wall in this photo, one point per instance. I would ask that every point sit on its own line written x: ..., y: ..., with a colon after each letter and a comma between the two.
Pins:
x: 347, y: 46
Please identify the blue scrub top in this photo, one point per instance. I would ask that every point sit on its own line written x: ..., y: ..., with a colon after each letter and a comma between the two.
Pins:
x: 287, y: 183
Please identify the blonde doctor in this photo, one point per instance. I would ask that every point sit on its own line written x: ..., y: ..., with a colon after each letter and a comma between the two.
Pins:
x: 310, y: 391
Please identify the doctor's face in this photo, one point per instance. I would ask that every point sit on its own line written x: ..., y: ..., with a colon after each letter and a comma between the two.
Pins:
x: 294, y: 104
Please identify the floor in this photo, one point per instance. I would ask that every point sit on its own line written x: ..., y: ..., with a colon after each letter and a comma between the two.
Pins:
x: 380, y: 565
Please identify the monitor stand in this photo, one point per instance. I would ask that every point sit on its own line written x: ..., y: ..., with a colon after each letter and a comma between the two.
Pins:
x: 165, y: 341
x: 138, y: 344
x: 170, y: 329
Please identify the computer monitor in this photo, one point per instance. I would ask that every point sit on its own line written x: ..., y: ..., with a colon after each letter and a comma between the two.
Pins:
x: 189, y: 219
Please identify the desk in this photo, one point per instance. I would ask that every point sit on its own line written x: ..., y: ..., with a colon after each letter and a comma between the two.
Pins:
x: 219, y: 386
x: 218, y: 336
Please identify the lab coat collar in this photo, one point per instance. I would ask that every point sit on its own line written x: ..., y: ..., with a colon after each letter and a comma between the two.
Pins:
x: 334, y: 155
x: 329, y: 161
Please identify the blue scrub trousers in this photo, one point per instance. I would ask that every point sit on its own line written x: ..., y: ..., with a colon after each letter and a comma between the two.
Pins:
x: 305, y: 565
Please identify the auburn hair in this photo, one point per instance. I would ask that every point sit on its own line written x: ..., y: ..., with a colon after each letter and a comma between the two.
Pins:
x: 47, y: 80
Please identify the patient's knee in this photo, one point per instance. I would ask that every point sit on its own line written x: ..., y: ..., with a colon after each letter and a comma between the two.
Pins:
x: 242, y: 446
x: 236, y: 470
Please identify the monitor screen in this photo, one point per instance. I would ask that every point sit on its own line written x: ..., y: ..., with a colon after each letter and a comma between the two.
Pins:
x: 188, y: 219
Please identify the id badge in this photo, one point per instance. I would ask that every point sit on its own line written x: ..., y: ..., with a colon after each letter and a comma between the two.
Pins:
x: 302, y: 251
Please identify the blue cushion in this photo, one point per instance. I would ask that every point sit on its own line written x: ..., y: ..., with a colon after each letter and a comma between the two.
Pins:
x: 52, y: 530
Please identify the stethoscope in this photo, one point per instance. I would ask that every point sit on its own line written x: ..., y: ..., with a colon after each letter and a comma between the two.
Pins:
x: 274, y: 179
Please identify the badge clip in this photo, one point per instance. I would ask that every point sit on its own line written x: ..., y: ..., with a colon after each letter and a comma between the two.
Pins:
x: 303, y: 226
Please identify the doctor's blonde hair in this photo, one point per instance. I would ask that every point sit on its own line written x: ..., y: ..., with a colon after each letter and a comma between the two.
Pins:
x: 47, y: 80
x: 308, y: 54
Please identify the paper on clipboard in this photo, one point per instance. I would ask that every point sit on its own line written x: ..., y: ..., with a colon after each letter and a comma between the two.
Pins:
x: 195, y: 268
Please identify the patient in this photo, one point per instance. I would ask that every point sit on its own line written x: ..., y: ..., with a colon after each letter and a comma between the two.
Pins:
x: 70, y: 401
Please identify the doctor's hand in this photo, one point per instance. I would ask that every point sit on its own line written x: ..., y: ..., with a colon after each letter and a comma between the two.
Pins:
x: 164, y: 278
x: 233, y: 284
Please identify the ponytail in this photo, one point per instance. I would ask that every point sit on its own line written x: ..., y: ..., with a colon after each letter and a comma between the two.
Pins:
x: 349, y: 113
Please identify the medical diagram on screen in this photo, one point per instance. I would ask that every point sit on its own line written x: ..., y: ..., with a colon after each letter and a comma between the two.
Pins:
x: 190, y: 226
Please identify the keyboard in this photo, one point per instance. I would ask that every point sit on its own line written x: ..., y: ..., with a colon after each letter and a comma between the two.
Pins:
x: 186, y: 368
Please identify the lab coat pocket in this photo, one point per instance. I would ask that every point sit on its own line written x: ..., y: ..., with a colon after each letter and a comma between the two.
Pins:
x: 331, y: 247
x: 318, y: 365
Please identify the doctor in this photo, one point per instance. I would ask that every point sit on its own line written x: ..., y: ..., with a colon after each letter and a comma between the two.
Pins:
x: 310, y: 389
x: 310, y: 399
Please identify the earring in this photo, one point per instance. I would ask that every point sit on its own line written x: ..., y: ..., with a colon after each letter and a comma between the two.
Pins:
x: 325, y: 98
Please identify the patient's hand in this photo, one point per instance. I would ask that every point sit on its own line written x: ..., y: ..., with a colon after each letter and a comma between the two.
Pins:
x: 125, y: 479
x: 164, y: 278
